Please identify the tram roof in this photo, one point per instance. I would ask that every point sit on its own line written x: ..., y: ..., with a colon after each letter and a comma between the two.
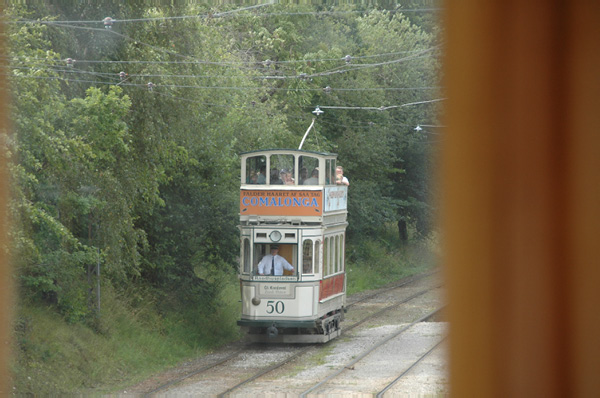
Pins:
x: 289, y: 151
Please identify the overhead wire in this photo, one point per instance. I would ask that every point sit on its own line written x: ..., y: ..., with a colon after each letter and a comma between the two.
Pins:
x: 347, y: 68
x: 381, y: 108
x: 115, y: 78
x: 192, y: 60
x: 421, y: 53
x: 409, y: 137
x: 412, y: 10
x: 340, y: 69
x: 189, y: 86
x: 67, y: 24
x: 150, y: 19
x: 139, y: 42
x: 155, y: 91
x: 337, y: 70
x: 225, y: 14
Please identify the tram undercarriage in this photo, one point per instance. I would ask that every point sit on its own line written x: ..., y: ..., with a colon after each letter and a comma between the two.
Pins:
x: 318, y: 331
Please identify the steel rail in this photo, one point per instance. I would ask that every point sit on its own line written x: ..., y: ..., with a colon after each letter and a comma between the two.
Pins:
x: 412, y: 279
x: 389, y: 307
x: 365, y: 353
x: 195, y: 372
x: 267, y: 370
x: 307, y: 348
x: 391, y: 384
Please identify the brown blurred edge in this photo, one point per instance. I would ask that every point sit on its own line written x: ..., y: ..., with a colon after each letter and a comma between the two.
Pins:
x: 520, y: 175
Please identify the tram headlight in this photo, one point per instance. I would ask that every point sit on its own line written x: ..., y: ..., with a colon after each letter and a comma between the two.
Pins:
x: 255, y: 301
x: 275, y: 236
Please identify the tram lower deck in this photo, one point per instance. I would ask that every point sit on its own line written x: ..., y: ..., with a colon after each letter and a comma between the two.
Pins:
x: 294, y: 317
x: 306, y: 301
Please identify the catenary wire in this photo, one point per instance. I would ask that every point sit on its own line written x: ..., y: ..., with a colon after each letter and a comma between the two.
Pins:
x: 226, y: 14
x: 195, y: 62
x: 239, y: 88
x: 189, y: 86
x: 210, y: 15
x: 111, y: 31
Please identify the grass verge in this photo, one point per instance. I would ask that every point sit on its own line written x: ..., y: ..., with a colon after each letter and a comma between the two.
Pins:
x: 375, y: 263
x: 126, y: 345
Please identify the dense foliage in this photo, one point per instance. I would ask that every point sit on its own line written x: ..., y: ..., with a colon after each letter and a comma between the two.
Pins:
x: 137, y: 172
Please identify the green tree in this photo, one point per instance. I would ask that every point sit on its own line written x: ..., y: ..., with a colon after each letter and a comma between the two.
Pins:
x: 145, y: 177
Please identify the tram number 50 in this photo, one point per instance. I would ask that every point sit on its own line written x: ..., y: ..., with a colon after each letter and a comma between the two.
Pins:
x: 275, y: 306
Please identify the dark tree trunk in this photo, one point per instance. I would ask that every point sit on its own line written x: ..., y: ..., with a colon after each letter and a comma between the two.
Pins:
x: 402, y: 230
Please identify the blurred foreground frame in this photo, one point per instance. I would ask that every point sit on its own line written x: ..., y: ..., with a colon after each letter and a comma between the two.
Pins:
x: 521, y: 197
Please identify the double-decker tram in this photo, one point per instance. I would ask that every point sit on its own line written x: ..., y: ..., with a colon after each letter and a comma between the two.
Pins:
x: 292, y: 230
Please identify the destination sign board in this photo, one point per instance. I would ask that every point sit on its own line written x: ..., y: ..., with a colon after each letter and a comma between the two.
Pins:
x: 281, y: 203
x: 336, y: 198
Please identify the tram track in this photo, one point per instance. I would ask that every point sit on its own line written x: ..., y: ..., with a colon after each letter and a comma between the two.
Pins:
x: 350, y: 365
x: 404, y: 282
x: 391, y: 384
x: 298, y: 351
x: 308, y: 348
x: 345, y: 330
x: 193, y: 373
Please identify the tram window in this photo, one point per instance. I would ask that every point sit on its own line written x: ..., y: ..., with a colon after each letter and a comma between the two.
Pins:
x: 256, y: 168
x: 288, y: 251
x: 337, y: 253
x: 326, y: 257
x: 342, y: 243
x: 282, y: 170
x: 331, y: 269
x: 341, y: 251
x: 259, y: 252
x: 309, y: 170
x: 330, y: 171
x: 307, y: 257
x: 317, y: 256
x: 246, y: 256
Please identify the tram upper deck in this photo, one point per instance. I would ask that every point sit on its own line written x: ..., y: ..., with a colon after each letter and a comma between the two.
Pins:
x: 280, y: 186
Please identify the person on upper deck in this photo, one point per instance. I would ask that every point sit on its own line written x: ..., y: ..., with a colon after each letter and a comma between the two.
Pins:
x: 275, y: 180
x: 273, y: 264
x: 286, y: 177
x: 253, y: 179
x: 339, y: 177
x: 262, y: 178
x: 314, y: 178
x: 303, y: 175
